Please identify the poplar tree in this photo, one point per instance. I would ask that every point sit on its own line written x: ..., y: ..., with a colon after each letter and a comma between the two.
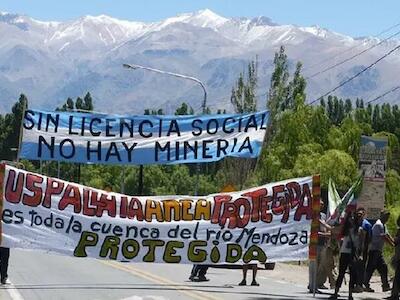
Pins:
x: 235, y: 171
x: 10, y: 129
x: 88, y: 102
x: 243, y: 96
x: 79, y: 104
x: 279, y: 90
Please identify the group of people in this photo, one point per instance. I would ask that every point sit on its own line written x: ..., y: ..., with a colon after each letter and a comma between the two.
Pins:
x: 359, y: 246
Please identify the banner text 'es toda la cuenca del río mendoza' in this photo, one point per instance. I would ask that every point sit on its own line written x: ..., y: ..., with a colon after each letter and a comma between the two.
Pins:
x: 97, y: 138
x: 270, y: 222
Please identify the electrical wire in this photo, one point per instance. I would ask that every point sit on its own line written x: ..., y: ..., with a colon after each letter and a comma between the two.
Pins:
x: 384, y: 94
x: 351, y: 48
x: 356, y: 75
x: 387, y: 30
x: 352, y: 57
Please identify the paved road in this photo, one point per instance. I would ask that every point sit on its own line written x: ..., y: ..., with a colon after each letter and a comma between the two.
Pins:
x: 37, y: 275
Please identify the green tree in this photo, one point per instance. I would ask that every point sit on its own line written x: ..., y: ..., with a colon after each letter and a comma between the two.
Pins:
x: 147, y: 111
x: 290, y: 134
x: 79, y: 104
x: 85, y: 105
x: 348, y: 107
x: 330, y: 109
x: 10, y: 129
x: 346, y: 138
x: 279, y: 88
x: 369, y: 113
x: 322, y: 103
x: 243, y: 97
x: 393, y: 146
x: 184, y: 109
x: 102, y: 177
x: 376, y: 119
x: 88, y: 102
x: 339, y: 166
x: 319, y: 125
x: 221, y: 112
x: 388, y: 121
x: 236, y: 171
x: 392, y: 193
x: 297, y: 88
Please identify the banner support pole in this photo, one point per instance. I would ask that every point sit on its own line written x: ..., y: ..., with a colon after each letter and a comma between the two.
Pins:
x: 25, y: 104
x: 2, y: 173
x: 313, y: 251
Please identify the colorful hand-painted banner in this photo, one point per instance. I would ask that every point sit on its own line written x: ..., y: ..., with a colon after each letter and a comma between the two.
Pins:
x: 112, y: 139
x: 372, y: 161
x: 270, y: 222
x: 372, y: 158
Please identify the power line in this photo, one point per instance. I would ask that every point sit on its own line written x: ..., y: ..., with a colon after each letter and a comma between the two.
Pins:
x: 356, y: 75
x: 384, y: 94
x: 352, y: 57
x: 387, y: 30
x: 351, y: 48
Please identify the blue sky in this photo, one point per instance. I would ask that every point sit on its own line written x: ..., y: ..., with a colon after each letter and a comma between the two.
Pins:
x: 352, y: 17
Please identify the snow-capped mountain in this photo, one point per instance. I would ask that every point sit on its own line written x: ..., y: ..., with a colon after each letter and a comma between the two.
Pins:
x: 50, y: 61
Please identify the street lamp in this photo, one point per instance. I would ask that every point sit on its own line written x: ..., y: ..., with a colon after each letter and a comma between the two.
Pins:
x: 203, y: 105
x: 135, y: 67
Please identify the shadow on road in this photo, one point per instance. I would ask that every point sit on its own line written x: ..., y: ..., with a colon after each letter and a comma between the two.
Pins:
x: 113, y: 286
x: 223, y: 289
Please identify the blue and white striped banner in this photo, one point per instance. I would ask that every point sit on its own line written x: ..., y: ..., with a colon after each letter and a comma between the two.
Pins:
x: 114, y: 139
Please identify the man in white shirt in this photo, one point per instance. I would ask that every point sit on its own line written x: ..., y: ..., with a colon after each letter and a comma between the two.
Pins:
x: 380, y: 235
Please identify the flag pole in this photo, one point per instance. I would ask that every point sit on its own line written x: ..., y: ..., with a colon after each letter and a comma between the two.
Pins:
x: 316, y: 195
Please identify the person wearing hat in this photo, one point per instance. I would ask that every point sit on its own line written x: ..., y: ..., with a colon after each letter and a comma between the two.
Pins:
x: 380, y: 235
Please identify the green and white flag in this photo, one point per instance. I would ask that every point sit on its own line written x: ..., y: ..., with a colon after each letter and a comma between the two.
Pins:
x: 337, y: 206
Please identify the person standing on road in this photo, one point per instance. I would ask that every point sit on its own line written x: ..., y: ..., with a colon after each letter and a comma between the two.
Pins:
x: 326, y: 268
x: 323, y: 234
x: 198, y: 273
x: 365, y: 231
x: 4, y: 256
x: 245, y: 268
x: 380, y: 235
x: 396, y: 265
x: 348, y: 254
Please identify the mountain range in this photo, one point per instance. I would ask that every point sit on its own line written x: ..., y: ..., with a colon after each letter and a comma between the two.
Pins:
x: 50, y: 61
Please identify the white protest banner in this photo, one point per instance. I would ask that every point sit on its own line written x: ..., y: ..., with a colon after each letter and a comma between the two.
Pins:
x: 114, y: 139
x: 270, y: 222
